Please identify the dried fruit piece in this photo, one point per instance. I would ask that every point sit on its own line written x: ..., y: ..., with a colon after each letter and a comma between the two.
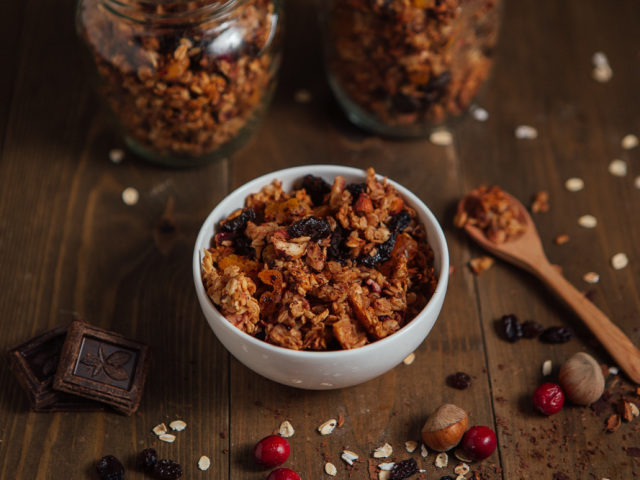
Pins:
x: 459, y: 380
x: 110, y: 468
x: 531, y: 329
x: 557, y: 335
x: 403, y: 469
x: 511, y: 327
x: 479, y: 442
x: 167, y: 469
x: 283, y: 474
x: 548, y: 398
x: 147, y: 459
x: 313, y: 227
x: 271, y: 451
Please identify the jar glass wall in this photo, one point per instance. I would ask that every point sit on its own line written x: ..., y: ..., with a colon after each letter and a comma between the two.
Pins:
x: 406, y: 67
x: 188, y: 81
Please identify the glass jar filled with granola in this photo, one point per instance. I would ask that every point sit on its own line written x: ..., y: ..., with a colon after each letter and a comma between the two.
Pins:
x: 406, y: 67
x: 188, y: 80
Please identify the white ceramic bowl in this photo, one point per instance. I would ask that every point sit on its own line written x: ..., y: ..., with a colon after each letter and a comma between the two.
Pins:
x: 329, y: 369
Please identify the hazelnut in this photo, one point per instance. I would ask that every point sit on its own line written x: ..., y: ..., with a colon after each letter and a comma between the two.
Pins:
x: 443, y: 430
x: 581, y: 378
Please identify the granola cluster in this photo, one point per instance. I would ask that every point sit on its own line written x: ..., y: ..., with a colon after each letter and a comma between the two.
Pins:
x: 490, y: 210
x: 324, y: 267
x: 185, y: 78
x: 411, y: 63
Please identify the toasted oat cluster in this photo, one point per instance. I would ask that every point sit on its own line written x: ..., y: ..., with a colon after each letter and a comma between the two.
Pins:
x: 412, y: 61
x: 323, y: 267
x: 183, y: 91
x: 492, y: 212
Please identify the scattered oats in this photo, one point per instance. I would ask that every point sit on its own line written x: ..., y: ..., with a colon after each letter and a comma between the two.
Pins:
x: 614, y: 370
x: 349, y: 456
x: 442, y: 460
x: 204, y: 463
x: 629, y: 141
x: 178, y: 425
x: 303, y: 96
x: 423, y: 451
x: 410, y: 446
x: 634, y: 410
x: 618, y: 168
x: 330, y: 469
x: 636, y: 182
x: 327, y: 427
x: 599, y: 59
x: 386, y: 466
x: 588, y: 221
x: 461, y: 455
x: 591, y: 277
x: 561, y: 239
x: 574, y: 184
x: 286, y: 429
x: 526, y: 132
x: 547, y: 368
x: 462, y: 469
x: 602, y: 73
x: 167, y: 437
x: 116, y: 155
x: 160, y: 429
x: 384, y: 475
x: 480, y: 114
x: 410, y: 358
x: 384, y: 451
x: 619, y: 261
x: 481, y: 264
x: 130, y: 196
x: 441, y: 138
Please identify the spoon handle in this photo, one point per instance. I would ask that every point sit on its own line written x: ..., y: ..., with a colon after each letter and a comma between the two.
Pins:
x: 619, y: 346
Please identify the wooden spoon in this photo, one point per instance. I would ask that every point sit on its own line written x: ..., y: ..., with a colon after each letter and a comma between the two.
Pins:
x: 525, y: 251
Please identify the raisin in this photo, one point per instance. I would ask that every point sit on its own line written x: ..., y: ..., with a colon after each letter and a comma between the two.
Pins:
x: 403, y: 469
x: 337, y: 251
x: 511, y: 327
x: 405, y: 103
x: 110, y: 468
x: 316, y: 188
x: 531, y: 329
x: 147, y: 459
x: 399, y: 221
x: 167, y: 469
x: 459, y: 380
x: 396, y: 224
x: 435, y: 88
x: 239, y: 223
x: 313, y: 227
x: 557, y: 335
x: 355, y: 189
x: 242, y: 246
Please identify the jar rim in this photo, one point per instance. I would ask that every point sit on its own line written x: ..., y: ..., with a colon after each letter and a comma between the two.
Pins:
x: 171, y: 11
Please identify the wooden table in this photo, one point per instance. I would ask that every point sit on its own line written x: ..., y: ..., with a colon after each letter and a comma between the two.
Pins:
x: 70, y: 246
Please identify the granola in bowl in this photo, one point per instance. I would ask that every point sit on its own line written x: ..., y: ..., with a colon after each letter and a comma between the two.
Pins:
x: 321, y: 267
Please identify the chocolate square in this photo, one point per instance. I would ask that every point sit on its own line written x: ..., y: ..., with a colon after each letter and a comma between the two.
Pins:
x: 102, y: 366
x: 34, y: 365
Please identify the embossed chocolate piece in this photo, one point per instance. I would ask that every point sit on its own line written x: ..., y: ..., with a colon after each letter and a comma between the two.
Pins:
x: 34, y: 364
x: 102, y: 366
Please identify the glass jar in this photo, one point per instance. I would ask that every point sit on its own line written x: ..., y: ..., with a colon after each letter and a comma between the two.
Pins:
x: 188, y: 81
x: 406, y: 67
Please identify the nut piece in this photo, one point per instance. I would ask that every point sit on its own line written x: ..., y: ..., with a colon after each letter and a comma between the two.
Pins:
x: 410, y: 446
x: 349, y: 456
x: 286, y: 429
x: 327, y: 427
x: 442, y: 460
x: 384, y: 451
x: 581, y: 379
x: 443, y: 430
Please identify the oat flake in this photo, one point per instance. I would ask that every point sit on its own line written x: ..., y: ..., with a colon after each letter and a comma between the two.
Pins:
x: 160, y: 429
x: 526, y: 132
x: 574, y: 184
x: 384, y: 451
x: 480, y: 114
x: 629, y: 141
x: 460, y: 455
x: 330, y: 469
x: 384, y: 475
x: 547, y: 368
x: 591, y: 277
x: 423, y: 451
x: 441, y: 138
x: 410, y: 358
x: 349, y: 456
x: 602, y: 73
x: 462, y: 469
x: 588, y: 221
x: 167, y: 437
x: 410, y: 446
x: 116, y: 155
x: 442, y: 460
x: 286, y: 429
x: 327, y: 427
x: 204, y: 463
x: 619, y: 261
x: 618, y: 168
x: 178, y: 425
x: 130, y: 196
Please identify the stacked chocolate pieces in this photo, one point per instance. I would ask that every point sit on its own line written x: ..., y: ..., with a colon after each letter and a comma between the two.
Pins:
x: 81, y: 368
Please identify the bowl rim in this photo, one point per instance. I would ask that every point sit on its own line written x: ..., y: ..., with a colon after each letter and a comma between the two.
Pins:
x: 206, y: 233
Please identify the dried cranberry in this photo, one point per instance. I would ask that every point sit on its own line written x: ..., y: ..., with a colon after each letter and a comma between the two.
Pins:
x: 110, y: 468
x: 167, y: 469
x: 147, y: 458
x: 316, y: 188
x: 403, y: 469
x: 511, y: 327
x: 548, y: 398
x: 459, y: 380
x: 531, y: 329
x: 313, y: 227
x: 479, y: 442
x: 557, y: 335
x: 283, y: 474
x: 271, y: 451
